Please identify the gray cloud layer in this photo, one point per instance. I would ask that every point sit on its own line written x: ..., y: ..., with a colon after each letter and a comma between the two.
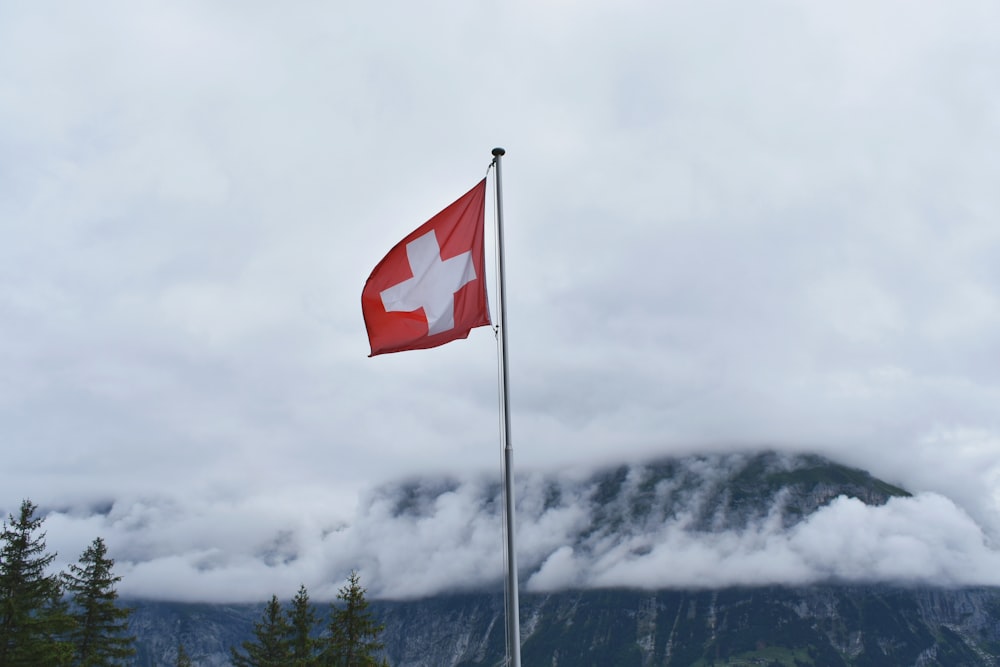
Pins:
x: 437, y: 535
x: 728, y: 226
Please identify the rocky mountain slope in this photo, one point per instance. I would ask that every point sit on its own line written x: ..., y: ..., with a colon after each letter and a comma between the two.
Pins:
x: 819, y: 625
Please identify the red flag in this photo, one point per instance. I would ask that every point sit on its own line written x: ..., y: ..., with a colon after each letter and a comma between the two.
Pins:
x: 430, y: 288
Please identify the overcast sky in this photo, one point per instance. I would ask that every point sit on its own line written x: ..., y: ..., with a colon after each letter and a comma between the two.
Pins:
x: 729, y: 225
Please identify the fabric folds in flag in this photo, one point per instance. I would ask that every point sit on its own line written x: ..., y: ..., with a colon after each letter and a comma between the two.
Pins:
x: 430, y: 289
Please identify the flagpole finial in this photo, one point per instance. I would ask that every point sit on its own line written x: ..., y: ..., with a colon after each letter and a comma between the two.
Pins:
x: 497, y: 152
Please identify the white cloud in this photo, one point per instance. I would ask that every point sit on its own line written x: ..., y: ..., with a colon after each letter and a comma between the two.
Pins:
x: 921, y: 540
x: 430, y: 536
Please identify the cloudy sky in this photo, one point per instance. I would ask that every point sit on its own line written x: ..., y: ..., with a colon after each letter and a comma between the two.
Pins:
x: 729, y: 225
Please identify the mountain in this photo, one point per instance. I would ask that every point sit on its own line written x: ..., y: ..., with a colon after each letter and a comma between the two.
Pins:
x: 832, y: 621
x: 822, y: 625
x: 826, y: 626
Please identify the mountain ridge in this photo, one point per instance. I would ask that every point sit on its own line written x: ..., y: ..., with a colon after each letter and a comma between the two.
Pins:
x: 629, y: 519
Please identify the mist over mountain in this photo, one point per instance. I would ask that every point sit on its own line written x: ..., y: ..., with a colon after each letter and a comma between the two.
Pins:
x: 774, y: 558
x: 701, y: 521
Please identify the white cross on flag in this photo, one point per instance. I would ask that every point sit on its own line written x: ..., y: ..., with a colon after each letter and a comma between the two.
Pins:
x: 429, y: 289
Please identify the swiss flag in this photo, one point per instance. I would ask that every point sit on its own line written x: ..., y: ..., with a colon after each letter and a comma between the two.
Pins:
x: 430, y: 288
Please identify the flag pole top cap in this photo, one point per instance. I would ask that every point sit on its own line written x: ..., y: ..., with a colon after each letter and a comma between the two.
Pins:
x: 498, y: 152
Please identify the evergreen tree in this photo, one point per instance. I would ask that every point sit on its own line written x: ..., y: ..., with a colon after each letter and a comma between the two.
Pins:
x: 183, y: 659
x: 100, y: 635
x: 271, y: 647
x: 353, y: 639
x: 33, y: 616
x: 302, y: 622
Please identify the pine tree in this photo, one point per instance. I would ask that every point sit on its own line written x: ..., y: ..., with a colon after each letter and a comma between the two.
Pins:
x: 302, y: 622
x: 183, y: 659
x: 353, y: 639
x: 271, y: 646
x: 33, y: 618
x: 100, y: 635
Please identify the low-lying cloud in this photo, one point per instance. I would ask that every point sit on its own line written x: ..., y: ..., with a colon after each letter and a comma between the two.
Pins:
x: 924, y: 539
x: 622, y: 528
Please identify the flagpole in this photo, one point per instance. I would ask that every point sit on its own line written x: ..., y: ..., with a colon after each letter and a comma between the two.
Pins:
x: 513, y: 624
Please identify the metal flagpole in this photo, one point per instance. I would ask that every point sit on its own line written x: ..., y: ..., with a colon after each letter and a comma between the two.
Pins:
x: 513, y: 624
